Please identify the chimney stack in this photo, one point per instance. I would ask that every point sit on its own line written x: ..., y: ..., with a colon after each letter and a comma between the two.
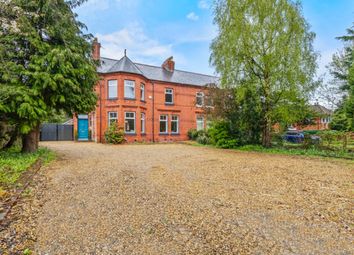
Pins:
x: 96, y: 49
x: 169, y: 64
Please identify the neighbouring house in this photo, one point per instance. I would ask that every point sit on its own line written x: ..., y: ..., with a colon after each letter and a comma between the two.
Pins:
x: 323, y: 117
x: 151, y: 103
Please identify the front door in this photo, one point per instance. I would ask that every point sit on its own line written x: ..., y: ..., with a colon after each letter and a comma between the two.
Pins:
x: 83, y: 130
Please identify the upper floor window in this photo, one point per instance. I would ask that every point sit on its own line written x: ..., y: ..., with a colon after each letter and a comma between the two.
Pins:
x: 142, y: 123
x: 112, y: 118
x: 129, y: 89
x: 142, y: 92
x: 174, y: 124
x: 169, y: 96
x: 129, y: 122
x: 164, y: 124
x: 200, y: 122
x: 200, y: 99
x: 112, y: 89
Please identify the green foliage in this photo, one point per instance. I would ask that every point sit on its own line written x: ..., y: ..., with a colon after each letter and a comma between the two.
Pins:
x: 342, y: 70
x: 192, y: 134
x: 114, y: 134
x: 203, y: 138
x: 221, y: 136
x: 13, y: 164
x: 45, y: 62
x: 266, y: 47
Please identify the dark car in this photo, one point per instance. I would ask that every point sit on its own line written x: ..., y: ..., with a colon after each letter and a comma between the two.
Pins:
x: 294, y: 136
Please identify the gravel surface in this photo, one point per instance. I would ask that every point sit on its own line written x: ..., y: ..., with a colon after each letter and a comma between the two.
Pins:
x: 182, y: 199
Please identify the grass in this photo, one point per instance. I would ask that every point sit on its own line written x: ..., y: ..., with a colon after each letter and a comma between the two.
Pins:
x: 13, y: 163
x: 299, y: 151
x: 290, y: 149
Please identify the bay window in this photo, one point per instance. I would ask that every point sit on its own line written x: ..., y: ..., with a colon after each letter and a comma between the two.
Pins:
x: 112, y: 89
x: 129, y: 89
x: 129, y: 122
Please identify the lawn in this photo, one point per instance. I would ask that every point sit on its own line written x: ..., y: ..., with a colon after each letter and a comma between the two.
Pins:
x: 13, y: 163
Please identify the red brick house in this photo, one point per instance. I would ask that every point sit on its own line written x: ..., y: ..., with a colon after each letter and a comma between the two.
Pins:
x: 151, y: 103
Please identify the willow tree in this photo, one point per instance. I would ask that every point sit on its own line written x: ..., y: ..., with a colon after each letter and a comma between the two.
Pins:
x: 45, y: 64
x: 265, y: 45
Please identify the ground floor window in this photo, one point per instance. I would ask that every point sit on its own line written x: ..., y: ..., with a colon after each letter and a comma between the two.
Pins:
x: 142, y: 123
x: 112, y: 118
x: 174, y: 124
x: 163, y: 124
x: 129, y: 122
x: 200, y: 122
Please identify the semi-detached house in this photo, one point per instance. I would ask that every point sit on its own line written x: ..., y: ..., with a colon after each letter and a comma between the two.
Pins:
x: 151, y: 103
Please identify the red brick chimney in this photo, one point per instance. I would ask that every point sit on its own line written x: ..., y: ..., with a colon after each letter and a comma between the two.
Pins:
x: 96, y: 49
x: 169, y: 64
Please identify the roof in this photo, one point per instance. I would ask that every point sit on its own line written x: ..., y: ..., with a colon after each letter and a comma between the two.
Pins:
x: 321, y: 109
x: 155, y: 73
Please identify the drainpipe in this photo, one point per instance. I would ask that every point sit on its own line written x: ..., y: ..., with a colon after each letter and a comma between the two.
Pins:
x: 153, y: 112
x: 100, y: 112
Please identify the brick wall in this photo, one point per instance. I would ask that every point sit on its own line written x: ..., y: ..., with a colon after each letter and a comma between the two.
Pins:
x: 184, y: 106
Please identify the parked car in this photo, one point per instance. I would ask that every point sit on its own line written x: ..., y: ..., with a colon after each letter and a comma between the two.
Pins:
x: 294, y: 136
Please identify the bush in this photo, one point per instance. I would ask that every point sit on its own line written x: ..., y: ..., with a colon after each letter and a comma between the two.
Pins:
x: 114, y: 135
x: 203, y: 138
x: 220, y: 135
x: 192, y: 134
x: 278, y: 139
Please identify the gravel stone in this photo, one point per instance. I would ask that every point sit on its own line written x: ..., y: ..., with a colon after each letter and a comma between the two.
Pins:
x: 182, y: 199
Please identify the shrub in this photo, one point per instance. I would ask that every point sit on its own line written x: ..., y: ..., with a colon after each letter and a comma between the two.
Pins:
x: 220, y: 135
x: 192, y: 134
x: 278, y: 139
x: 114, y: 135
x: 203, y: 138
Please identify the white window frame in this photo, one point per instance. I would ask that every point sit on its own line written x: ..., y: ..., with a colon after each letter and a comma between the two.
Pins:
x: 200, y: 122
x: 200, y: 95
x: 164, y: 120
x: 142, y: 92
x: 142, y: 122
x: 112, y: 118
x: 130, y: 84
x: 109, y: 85
x: 125, y: 122
x: 170, y: 92
x: 177, y: 121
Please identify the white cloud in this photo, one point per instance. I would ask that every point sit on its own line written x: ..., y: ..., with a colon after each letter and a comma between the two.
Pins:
x: 140, y: 48
x: 203, y: 4
x: 192, y: 16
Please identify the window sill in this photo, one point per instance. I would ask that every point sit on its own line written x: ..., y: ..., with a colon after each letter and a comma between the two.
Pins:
x: 143, y: 101
x: 112, y: 98
x: 175, y: 134
x: 169, y: 104
x: 132, y: 134
x: 143, y: 134
x: 164, y: 134
x: 128, y: 98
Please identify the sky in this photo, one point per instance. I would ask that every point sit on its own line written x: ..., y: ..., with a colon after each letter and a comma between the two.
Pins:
x: 153, y: 30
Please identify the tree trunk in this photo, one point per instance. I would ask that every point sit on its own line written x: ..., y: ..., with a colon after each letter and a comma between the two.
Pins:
x: 30, y: 141
x: 266, y: 134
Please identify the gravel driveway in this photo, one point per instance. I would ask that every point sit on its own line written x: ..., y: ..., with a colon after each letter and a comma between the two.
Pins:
x: 182, y: 199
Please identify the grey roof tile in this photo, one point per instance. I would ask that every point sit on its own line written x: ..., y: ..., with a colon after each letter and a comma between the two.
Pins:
x: 155, y: 73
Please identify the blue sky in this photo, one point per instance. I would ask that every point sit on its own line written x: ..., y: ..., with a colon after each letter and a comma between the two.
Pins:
x: 152, y: 30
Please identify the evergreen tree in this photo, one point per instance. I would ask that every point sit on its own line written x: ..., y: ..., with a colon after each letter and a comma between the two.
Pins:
x: 45, y: 66
x: 265, y: 46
